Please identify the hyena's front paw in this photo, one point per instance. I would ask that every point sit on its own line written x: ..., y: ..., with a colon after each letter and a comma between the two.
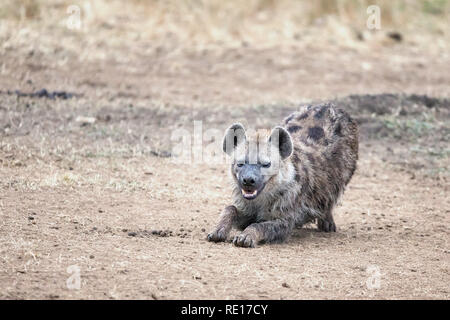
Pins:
x: 218, y: 235
x: 245, y: 240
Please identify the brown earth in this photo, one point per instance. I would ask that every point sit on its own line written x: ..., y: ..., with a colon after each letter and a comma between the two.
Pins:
x: 107, y: 198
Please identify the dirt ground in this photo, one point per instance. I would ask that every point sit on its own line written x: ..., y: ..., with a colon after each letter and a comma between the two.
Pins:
x: 106, y: 201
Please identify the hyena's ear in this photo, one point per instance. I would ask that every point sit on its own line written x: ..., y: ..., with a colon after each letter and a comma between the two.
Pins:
x: 281, y: 139
x: 233, y: 136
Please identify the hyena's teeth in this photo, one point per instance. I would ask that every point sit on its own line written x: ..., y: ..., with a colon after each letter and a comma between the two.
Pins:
x: 245, y: 193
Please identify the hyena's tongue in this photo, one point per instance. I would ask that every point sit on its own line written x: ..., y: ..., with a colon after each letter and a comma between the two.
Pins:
x: 247, y: 193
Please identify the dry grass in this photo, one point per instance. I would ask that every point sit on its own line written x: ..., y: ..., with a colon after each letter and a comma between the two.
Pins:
x: 233, y: 22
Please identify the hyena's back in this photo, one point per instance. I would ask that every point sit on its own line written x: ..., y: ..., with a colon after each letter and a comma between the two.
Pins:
x: 325, y: 153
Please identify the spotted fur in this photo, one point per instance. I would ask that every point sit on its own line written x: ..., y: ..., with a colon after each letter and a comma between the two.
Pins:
x: 307, y: 184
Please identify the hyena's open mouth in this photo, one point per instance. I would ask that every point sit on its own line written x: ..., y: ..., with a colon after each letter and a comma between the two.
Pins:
x: 251, y: 193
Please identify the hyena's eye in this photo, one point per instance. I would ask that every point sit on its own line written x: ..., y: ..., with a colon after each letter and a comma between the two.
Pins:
x: 240, y: 164
x: 266, y: 165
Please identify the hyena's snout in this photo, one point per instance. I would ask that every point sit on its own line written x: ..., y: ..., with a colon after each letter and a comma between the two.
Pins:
x: 249, y: 178
x: 250, y: 181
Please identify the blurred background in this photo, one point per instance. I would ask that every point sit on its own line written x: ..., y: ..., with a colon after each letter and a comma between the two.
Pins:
x: 335, y: 44
x: 91, y: 93
x: 261, y: 23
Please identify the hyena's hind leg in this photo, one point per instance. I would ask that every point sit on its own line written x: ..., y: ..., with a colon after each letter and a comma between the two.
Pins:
x: 326, y: 224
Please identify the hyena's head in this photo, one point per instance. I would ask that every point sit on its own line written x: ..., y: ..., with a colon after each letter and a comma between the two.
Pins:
x: 257, y: 157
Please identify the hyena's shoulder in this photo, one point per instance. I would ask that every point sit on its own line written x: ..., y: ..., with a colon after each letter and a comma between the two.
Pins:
x: 320, y: 125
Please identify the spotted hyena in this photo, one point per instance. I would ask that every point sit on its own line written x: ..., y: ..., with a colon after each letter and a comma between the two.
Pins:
x: 289, y: 176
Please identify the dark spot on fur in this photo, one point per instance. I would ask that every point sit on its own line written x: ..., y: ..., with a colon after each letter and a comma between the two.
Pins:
x: 316, y: 133
x: 294, y: 128
x: 289, y: 118
x: 303, y: 116
x: 338, y: 130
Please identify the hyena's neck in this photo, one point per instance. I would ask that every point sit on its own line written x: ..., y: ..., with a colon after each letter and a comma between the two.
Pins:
x: 277, y: 190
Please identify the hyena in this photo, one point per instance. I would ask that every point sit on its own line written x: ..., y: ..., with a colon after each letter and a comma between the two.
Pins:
x: 289, y: 176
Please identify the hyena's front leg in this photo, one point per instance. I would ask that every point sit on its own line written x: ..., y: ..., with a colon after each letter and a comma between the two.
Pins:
x: 227, y: 219
x: 267, y: 231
